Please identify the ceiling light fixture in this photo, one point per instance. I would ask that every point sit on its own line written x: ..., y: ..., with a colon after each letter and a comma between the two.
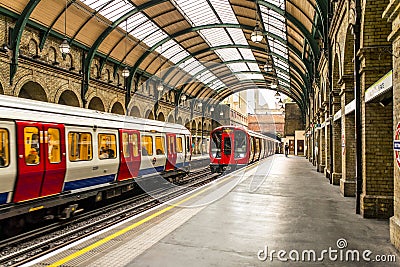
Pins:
x: 125, y: 71
x: 64, y: 46
x: 256, y: 35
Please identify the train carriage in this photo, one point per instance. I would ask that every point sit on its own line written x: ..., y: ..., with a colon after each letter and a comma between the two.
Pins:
x: 53, y: 155
x: 235, y: 147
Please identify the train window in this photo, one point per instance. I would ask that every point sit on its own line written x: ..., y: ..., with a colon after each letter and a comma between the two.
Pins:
x: 4, y: 148
x: 147, y: 145
x: 53, y: 143
x: 135, y: 145
x: 227, y: 146
x: 216, y: 144
x: 80, y: 146
x: 240, y: 144
x: 32, y: 145
x: 172, y: 144
x: 187, y: 144
x: 257, y: 145
x: 179, y: 148
x: 160, y: 141
x: 107, y: 146
x: 125, y: 145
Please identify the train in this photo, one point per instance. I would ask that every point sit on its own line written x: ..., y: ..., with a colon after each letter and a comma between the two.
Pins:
x: 235, y: 147
x: 53, y: 156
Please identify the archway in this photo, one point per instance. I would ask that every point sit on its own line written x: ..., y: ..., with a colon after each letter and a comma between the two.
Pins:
x: 117, y: 108
x: 161, y: 117
x: 1, y: 89
x: 96, y: 104
x: 68, y: 98
x: 150, y: 115
x: 179, y: 121
x: 33, y: 90
x: 135, y: 112
x: 171, y: 119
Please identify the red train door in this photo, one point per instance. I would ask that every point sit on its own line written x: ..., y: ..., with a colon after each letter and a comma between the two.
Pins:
x: 171, y: 153
x: 226, y: 153
x: 41, y: 160
x: 54, y: 156
x: 30, y: 160
x: 129, y: 154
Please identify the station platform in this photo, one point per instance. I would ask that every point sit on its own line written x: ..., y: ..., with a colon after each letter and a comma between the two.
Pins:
x: 279, y: 204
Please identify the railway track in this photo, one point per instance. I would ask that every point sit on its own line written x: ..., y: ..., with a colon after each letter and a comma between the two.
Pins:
x: 36, y: 243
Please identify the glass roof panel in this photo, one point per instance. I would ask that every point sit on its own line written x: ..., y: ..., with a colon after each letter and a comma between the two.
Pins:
x: 253, y: 66
x: 250, y: 76
x: 224, y: 11
x: 205, y: 12
x: 276, y: 24
x: 216, y: 36
x: 197, y: 12
x: 238, y: 67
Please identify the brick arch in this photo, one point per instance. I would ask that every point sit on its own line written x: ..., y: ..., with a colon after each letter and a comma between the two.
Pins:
x: 161, y: 117
x: 135, y: 112
x: 73, y: 93
x: 95, y: 103
x: 29, y: 78
x: 336, y: 72
x: 117, y: 108
x: 33, y: 47
x: 179, y: 120
x: 34, y: 91
x: 348, y: 65
x: 69, y: 98
x: 171, y: 118
x: 149, y: 115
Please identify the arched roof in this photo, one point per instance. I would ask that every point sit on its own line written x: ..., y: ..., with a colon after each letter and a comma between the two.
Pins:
x: 203, y: 44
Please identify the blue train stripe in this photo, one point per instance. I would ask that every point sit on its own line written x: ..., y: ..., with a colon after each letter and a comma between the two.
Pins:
x: 151, y: 170
x: 182, y: 164
x: 3, y: 198
x: 88, y: 182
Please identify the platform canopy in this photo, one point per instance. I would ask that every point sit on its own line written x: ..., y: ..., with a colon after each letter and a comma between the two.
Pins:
x: 204, y: 48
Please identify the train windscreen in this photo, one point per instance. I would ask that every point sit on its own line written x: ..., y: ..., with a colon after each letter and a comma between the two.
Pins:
x: 216, y: 137
x: 240, y: 143
x: 227, y: 145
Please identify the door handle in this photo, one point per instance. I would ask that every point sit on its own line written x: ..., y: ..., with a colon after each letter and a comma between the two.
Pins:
x: 154, y: 161
x: 95, y: 168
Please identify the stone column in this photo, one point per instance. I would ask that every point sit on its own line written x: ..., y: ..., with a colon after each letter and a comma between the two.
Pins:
x: 348, y: 182
x: 327, y: 169
x: 337, y: 141
x: 321, y: 145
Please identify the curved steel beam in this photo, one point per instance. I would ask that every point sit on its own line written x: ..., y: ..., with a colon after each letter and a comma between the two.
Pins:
x: 92, y: 51
x: 17, y: 34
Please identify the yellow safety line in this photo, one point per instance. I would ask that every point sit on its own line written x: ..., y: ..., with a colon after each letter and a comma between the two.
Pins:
x: 123, y: 231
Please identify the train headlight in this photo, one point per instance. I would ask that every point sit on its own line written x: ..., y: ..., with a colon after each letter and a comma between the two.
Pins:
x: 241, y: 155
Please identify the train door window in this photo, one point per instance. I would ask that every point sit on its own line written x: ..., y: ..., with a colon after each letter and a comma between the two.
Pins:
x: 147, y: 145
x: 216, y: 144
x: 227, y: 146
x: 240, y: 144
x: 107, y: 146
x: 187, y: 144
x: 179, y: 148
x: 160, y: 141
x: 257, y: 145
x: 135, y: 144
x: 53, y: 143
x: 125, y: 145
x: 171, y: 146
x: 80, y: 146
x: 4, y: 148
x: 252, y: 145
x: 32, y: 145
